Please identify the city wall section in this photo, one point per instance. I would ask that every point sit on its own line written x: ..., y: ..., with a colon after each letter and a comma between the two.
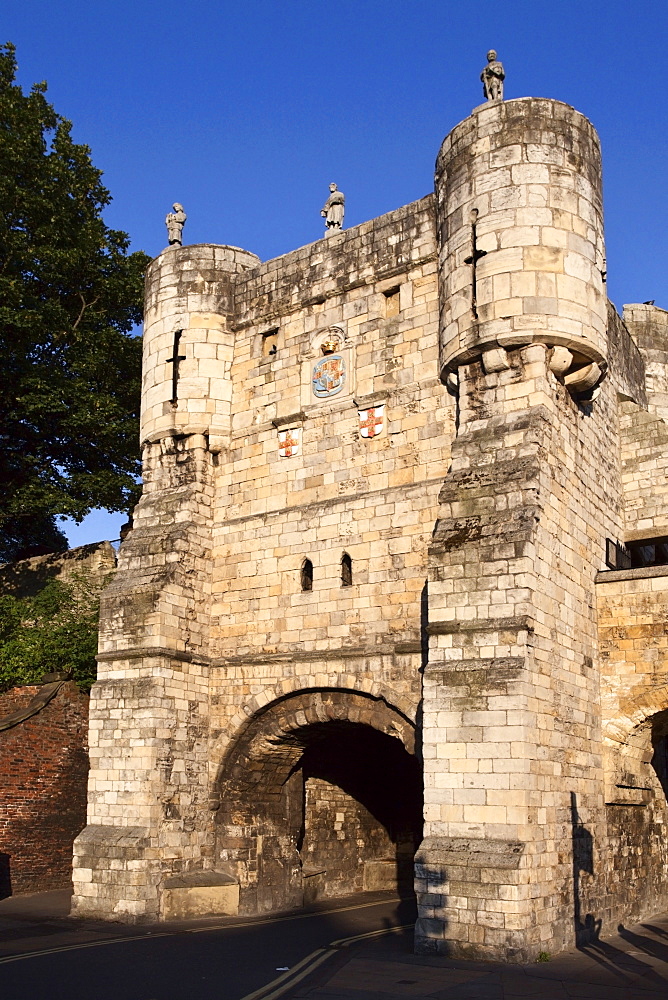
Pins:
x: 364, y: 612
x: 208, y: 637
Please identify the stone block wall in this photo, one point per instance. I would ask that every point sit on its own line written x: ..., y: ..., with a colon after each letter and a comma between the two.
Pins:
x: 373, y: 499
x: 511, y: 689
x: 644, y: 458
x: 341, y: 837
x: 649, y: 327
x: 379, y: 475
x: 43, y: 770
x: 634, y: 684
x: 634, y: 654
x: 207, y: 621
x: 26, y: 577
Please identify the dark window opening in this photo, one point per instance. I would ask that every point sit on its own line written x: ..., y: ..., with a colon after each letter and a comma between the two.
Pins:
x: 637, y: 554
x: 269, y: 343
x: 307, y: 575
x: 346, y: 570
x: 648, y: 552
x: 392, y: 301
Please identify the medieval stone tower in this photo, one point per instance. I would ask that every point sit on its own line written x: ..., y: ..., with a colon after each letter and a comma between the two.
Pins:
x: 376, y: 620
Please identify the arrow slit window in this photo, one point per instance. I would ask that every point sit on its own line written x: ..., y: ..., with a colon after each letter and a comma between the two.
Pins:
x: 307, y: 575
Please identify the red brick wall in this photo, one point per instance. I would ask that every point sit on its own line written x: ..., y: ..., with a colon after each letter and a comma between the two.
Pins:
x: 43, y: 774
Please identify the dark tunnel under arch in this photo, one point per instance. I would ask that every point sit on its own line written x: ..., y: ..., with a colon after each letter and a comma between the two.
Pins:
x: 320, y: 796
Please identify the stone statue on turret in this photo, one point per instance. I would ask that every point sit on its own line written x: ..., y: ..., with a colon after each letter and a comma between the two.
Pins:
x: 492, y: 78
x: 333, y: 209
x: 175, y: 221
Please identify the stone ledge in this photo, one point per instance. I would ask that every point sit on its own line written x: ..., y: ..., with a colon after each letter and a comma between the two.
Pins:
x: 191, y: 880
x: 465, y: 852
x: 308, y: 655
x: 157, y: 652
x: 640, y: 573
x: 496, y: 663
x: 516, y: 623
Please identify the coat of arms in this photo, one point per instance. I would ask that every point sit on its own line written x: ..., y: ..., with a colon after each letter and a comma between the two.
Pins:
x: 329, y: 376
x: 372, y: 420
x: 289, y: 441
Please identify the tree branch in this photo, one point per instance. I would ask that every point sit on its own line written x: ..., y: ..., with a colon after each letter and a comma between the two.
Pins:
x: 85, y: 305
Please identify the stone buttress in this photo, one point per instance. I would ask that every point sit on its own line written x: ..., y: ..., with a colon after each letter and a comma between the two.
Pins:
x: 147, y: 801
x: 511, y: 690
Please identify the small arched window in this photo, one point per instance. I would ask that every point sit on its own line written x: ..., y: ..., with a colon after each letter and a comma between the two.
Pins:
x: 346, y: 570
x: 307, y: 575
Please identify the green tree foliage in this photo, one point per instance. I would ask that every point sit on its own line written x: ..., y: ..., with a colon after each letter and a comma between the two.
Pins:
x: 54, y: 630
x: 70, y: 297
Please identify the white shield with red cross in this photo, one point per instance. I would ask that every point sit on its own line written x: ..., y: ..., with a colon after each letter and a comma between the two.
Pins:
x: 372, y: 421
x: 289, y: 442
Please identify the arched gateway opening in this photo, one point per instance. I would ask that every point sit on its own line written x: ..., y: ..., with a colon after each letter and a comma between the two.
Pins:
x: 320, y: 796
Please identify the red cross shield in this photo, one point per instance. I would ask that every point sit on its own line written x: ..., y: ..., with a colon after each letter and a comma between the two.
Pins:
x: 372, y: 421
x: 288, y: 442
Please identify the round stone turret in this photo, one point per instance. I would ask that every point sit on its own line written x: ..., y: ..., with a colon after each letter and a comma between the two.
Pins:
x: 188, y: 346
x: 521, y: 252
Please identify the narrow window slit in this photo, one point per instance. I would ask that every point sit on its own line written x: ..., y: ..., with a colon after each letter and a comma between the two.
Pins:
x: 175, y: 360
x: 346, y: 570
x: 307, y: 575
x: 473, y: 259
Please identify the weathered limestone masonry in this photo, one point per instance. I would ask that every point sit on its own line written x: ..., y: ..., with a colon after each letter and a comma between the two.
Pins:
x: 380, y: 473
x: 207, y: 632
x: 511, y: 698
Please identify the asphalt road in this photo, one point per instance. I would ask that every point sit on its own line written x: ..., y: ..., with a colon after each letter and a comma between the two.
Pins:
x: 203, y: 963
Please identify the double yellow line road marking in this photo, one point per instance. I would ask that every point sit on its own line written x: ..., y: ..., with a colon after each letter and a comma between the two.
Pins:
x: 277, y: 987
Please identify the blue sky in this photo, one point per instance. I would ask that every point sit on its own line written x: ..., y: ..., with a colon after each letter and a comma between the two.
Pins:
x: 245, y: 111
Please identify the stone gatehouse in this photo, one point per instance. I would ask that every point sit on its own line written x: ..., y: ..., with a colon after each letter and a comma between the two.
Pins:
x: 394, y: 602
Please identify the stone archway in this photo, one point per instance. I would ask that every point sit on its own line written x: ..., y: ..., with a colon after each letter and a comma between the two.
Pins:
x: 320, y: 795
x: 637, y: 814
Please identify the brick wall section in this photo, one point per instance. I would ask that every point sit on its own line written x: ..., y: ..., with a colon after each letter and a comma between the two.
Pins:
x: 43, y: 770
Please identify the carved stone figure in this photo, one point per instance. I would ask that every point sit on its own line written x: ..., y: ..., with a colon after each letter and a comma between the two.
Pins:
x: 333, y: 209
x: 492, y: 78
x: 175, y: 221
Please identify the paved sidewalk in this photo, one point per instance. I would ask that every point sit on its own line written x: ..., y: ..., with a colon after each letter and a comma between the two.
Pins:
x: 41, y: 921
x: 630, y: 966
